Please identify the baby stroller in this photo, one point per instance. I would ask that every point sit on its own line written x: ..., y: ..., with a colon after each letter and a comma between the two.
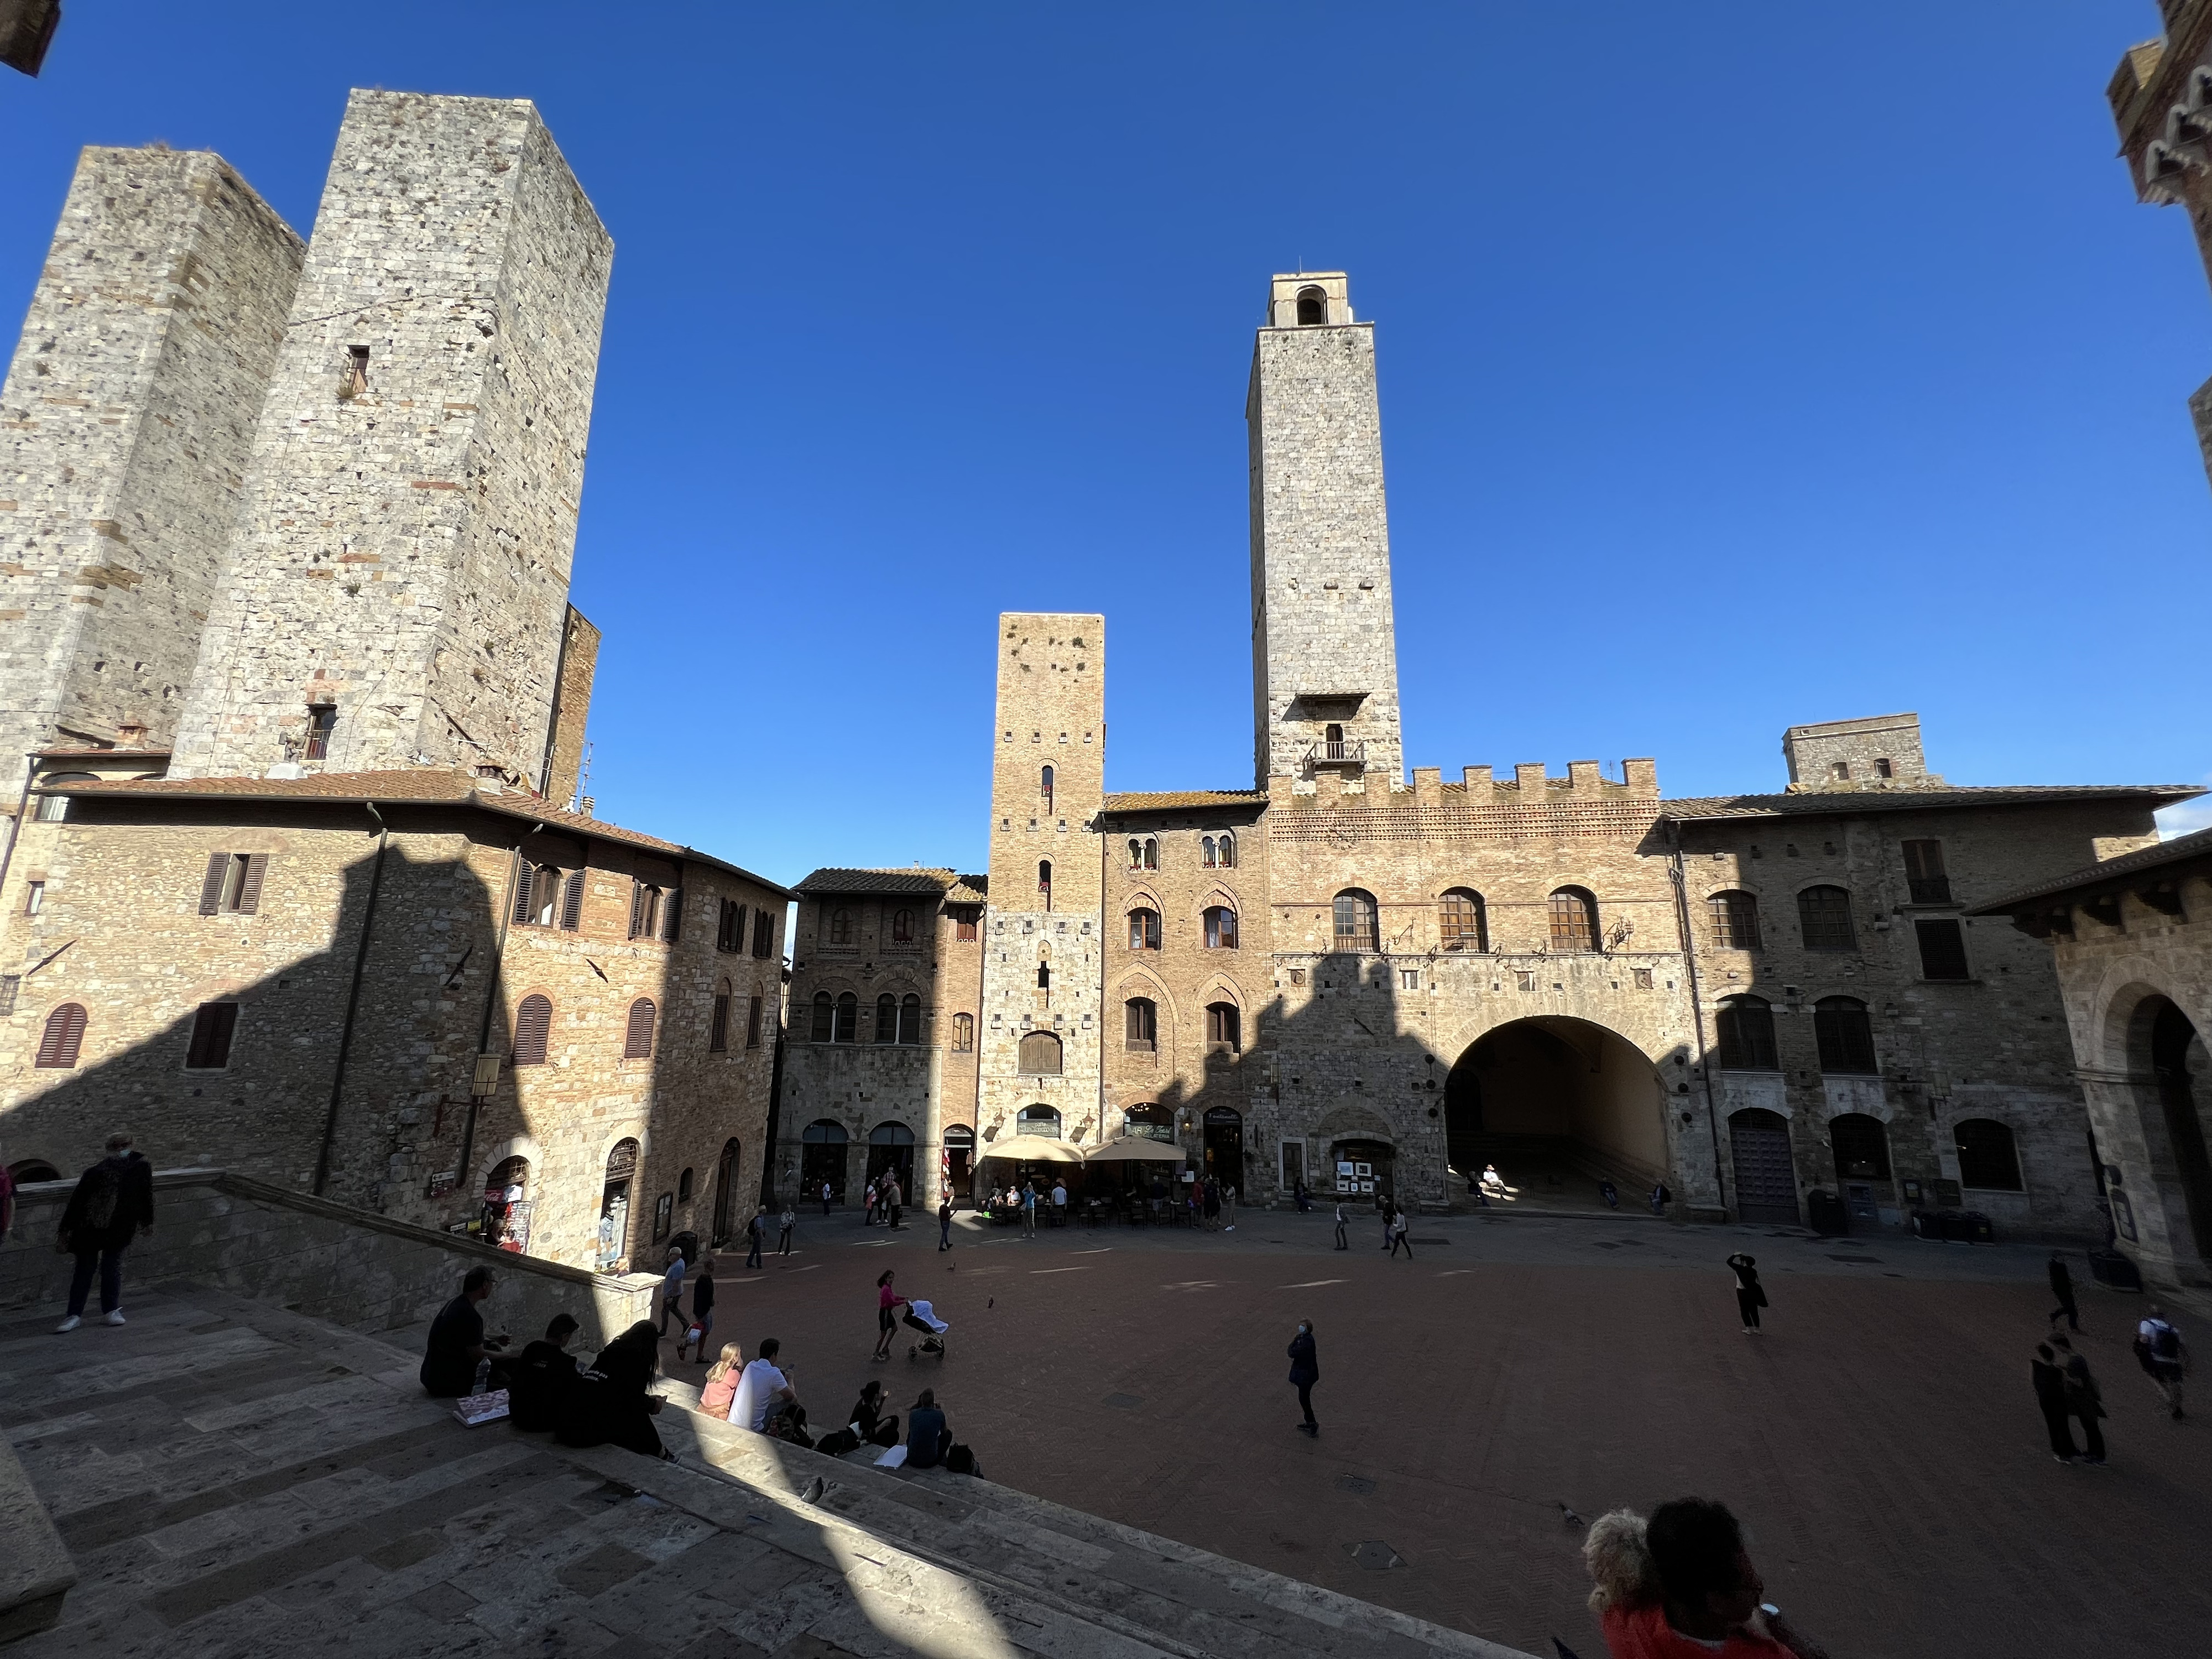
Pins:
x: 923, y: 1318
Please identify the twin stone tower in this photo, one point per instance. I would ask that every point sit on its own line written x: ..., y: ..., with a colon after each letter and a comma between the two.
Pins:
x: 277, y: 505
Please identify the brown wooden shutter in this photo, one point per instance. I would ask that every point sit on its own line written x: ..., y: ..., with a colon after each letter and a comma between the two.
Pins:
x: 753, y: 1024
x: 763, y: 931
x: 638, y: 895
x: 718, y: 1033
x: 533, y: 1024
x: 572, y: 902
x: 218, y: 867
x: 525, y: 885
x: 637, y: 1041
x: 213, y: 1026
x: 249, y: 891
x: 64, y: 1036
x: 671, y: 926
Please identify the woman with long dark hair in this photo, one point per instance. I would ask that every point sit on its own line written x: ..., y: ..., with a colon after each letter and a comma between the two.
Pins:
x: 888, y: 1303
x: 613, y: 1403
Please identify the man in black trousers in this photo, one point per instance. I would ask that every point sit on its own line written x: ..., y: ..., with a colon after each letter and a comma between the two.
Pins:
x: 2051, y: 1400
x: 112, y: 1204
x: 2062, y: 1286
x: 1305, y: 1371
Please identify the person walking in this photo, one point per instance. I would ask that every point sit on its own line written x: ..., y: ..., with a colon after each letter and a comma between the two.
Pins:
x: 893, y: 1199
x: 888, y: 1303
x: 1341, y: 1243
x: 825, y: 1198
x: 2062, y: 1286
x: 672, y: 1293
x: 702, y: 1313
x: 1305, y: 1371
x: 1400, y: 1235
x: 868, y: 1204
x: 1610, y: 1193
x: 1229, y: 1209
x: 1029, y: 1211
x: 789, y: 1220
x: 944, y: 1223
x: 2051, y: 1400
x: 113, y: 1203
x: 1212, y: 1205
x: 755, y: 1234
x: 2159, y: 1348
x: 1660, y: 1196
x: 1750, y: 1294
x: 2084, y: 1400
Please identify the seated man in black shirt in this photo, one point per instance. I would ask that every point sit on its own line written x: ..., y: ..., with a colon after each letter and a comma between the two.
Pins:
x: 541, y: 1376
x: 927, y: 1439
x: 458, y: 1344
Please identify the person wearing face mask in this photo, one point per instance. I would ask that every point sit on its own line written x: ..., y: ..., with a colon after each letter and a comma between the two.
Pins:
x: 1682, y: 1586
x: 1305, y: 1371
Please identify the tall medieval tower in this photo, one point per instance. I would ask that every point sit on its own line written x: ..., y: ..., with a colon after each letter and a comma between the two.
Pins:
x: 1324, y: 651
x: 397, y: 590
x: 1043, y: 960
x: 124, y: 428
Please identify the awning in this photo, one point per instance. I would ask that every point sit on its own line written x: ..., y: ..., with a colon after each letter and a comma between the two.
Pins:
x: 1037, y: 1149
x: 1136, y: 1149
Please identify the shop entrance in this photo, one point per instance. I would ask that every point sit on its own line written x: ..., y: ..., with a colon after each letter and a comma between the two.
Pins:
x: 890, y: 1146
x: 507, y: 1205
x: 822, y: 1159
x: 1224, y: 1146
x: 614, y: 1205
x: 959, y: 1158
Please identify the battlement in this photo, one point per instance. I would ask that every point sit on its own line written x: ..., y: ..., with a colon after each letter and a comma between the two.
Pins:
x: 1531, y: 784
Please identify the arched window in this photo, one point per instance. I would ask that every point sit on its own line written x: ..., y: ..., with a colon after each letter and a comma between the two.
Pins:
x: 533, y: 1025
x: 1221, y: 928
x: 683, y: 1184
x: 32, y: 1168
x: 1824, y: 915
x: 1044, y: 883
x: 823, y: 1131
x: 1144, y: 929
x: 1217, y: 852
x: 887, y: 1019
x: 964, y: 1034
x: 1461, y: 924
x: 1736, y: 921
x: 1037, y: 1120
x: 637, y: 1036
x: 909, y: 1024
x: 538, y: 897
x: 1143, y: 853
x: 840, y: 925
x: 718, y: 1022
x: 1149, y: 1122
x: 1044, y: 787
x: 903, y: 927
x: 1355, y: 921
x: 1313, y: 306
x: 1574, y: 919
x: 1745, y: 1026
x: 1225, y: 1028
x: 62, y: 1038
x: 849, y: 1018
x: 1860, y: 1145
x: 1140, y: 1021
x: 826, y: 1017
x: 1987, y: 1156
x: 1039, y: 1054
x: 1840, y: 1026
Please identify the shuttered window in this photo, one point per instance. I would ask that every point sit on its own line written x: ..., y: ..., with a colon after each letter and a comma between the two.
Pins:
x: 1458, y: 920
x: 1746, y: 1029
x: 887, y: 1019
x: 1825, y: 915
x: 718, y: 1027
x: 672, y: 916
x: 1140, y: 1019
x: 232, y: 884
x: 1223, y: 1028
x: 909, y: 1027
x: 572, y: 902
x: 964, y: 1034
x: 1943, y: 950
x: 730, y: 927
x: 1845, y: 1036
x: 1039, y: 1054
x: 646, y: 914
x: 538, y: 899
x: 849, y: 1018
x: 1736, y: 921
x: 763, y: 932
x: 637, y: 1039
x: 64, y: 1036
x: 753, y: 1023
x: 534, y: 1027
x: 213, y: 1024
x: 825, y: 1013
x: 1573, y: 915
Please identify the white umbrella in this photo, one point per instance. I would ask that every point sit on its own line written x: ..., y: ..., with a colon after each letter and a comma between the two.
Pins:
x: 1136, y: 1149
x: 1037, y: 1149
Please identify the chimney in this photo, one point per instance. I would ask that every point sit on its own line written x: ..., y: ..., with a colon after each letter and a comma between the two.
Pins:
x: 584, y: 806
x: 130, y: 734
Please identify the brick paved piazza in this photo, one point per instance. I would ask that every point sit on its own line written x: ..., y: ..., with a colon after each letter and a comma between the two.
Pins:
x: 1882, y: 1440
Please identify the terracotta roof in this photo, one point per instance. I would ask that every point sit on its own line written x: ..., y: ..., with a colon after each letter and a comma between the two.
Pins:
x: 1178, y: 800
x: 93, y: 752
x: 2128, y: 869
x: 1842, y: 803
x: 427, y: 787
x: 969, y: 890
x: 912, y: 879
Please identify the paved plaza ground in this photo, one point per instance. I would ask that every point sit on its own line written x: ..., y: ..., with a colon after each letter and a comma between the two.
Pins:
x: 1881, y: 1441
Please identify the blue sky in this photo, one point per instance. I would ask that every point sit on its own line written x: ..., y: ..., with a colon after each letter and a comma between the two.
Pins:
x: 1742, y: 366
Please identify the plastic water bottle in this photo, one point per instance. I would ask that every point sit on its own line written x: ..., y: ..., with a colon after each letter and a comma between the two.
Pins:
x: 483, y: 1376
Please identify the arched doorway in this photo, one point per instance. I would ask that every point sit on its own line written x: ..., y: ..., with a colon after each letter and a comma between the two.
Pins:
x: 507, y: 1205
x: 1766, y: 1175
x: 2177, y: 1062
x: 1365, y: 1170
x: 614, y: 1204
x: 1149, y: 1121
x: 959, y: 1158
x: 1224, y: 1140
x: 1558, y: 1104
x: 890, y: 1146
x: 822, y: 1158
x: 726, y: 1193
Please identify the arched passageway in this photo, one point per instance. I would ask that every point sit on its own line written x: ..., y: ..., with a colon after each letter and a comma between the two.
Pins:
x: 2177, y: 1062
x: 1558, y: 1104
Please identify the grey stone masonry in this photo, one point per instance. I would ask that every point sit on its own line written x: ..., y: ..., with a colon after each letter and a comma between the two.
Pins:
x: 124, y: 427
x: 403, y: 552
x: 1324, y: 651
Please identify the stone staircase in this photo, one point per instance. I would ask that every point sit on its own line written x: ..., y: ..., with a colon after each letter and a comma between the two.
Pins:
x: 234, y: 1479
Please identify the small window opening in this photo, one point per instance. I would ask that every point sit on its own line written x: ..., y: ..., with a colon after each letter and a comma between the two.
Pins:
x: 322, y: 720
x: 1313, y: 306
x: 34, y: 898
x: 1044, y: 883
x: 1840, y: 770
x: 1882, y: 769
x: 357, y: 373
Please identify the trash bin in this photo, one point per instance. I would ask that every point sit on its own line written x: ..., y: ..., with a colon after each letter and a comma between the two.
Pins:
x: 1954, y: 1227
x: 1979, y: 1229
x: 2113, y: 1269
x: 1926, y: 1225
x: 1830, y: 1218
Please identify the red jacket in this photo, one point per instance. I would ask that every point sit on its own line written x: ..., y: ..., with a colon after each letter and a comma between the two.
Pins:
x: 1644, y: 1633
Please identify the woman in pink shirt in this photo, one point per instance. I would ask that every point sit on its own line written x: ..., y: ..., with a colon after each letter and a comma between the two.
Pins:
x: 888, y: 1302
x: 721, y: 1384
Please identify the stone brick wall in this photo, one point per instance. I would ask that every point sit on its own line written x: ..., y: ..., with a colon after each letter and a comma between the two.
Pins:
x: 1051, y: 711
x: 403, y: 549
x: 580, y: 664
x: 121, y: 908
x: 125, y: 427
x: 1321, y: 546
x: 362, y: 1273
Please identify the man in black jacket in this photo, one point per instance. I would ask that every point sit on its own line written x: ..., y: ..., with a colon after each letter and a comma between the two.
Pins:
x: 1305, y: 1371
x: 112, y: 1204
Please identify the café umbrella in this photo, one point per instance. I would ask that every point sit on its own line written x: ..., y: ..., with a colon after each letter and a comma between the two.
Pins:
x: 1134, y: 1149
x: 1036, y: 1149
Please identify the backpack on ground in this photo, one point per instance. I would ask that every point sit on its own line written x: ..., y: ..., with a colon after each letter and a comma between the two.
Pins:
x: 961, y: 1461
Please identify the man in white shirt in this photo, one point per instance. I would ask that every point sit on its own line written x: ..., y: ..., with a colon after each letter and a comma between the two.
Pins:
x: 763, y: 1391
x: 1059, y: 1202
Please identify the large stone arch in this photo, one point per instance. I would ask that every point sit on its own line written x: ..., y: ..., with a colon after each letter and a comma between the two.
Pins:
x: 2148, y: 1083
x: 1560, y: 1096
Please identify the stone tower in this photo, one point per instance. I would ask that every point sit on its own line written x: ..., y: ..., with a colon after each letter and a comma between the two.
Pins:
x: 1324, y: 651
x: 1043, y: 961
x: 124, y: 428
x: 397, y: 593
